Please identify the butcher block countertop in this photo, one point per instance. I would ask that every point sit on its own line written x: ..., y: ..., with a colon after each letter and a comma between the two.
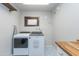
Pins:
x: 70, y: 47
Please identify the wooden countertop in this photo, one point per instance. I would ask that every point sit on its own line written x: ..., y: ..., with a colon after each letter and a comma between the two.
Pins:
x: 71, y: 47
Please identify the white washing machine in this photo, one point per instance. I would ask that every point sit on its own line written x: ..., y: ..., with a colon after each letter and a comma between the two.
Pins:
x: 36, y: 44
x: 20, y: 44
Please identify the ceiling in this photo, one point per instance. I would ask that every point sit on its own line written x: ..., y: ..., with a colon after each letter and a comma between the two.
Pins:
x: 23, y: 7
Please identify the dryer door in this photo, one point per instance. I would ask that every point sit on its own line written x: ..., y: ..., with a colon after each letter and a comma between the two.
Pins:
x: 21, y: 43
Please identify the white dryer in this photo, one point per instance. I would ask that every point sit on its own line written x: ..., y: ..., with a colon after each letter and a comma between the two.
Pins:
x: 20, y: 44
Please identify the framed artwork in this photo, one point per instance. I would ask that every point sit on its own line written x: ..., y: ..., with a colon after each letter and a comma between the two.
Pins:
x: 31, y: 21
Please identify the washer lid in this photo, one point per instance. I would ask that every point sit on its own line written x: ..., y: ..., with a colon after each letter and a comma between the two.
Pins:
x: 21, y: 35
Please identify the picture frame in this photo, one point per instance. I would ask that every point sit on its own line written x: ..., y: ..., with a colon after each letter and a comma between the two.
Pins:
x: 31, y: 21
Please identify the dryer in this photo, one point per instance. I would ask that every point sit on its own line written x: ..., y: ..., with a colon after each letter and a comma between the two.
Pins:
x: 20, y: 44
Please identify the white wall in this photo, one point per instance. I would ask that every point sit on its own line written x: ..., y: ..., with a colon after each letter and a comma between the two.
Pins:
x: 45, y: 23
x: 7, y: 20
x: 66, y: 22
